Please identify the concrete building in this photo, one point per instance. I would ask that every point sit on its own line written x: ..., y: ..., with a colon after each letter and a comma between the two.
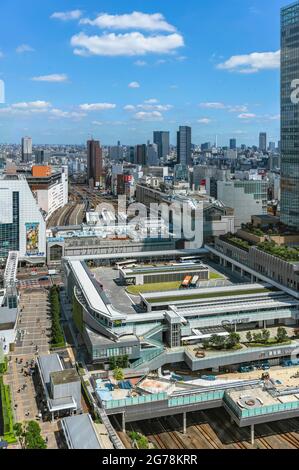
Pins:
x: 246, y: 197
x: 9, y: 304
x: 62, y: 387
x: 26, y: 149
x: 184, y: 141
x: 94, y: 163
x: 263, y: 142
x: 49, y: 187
x: 22, y: 225
x: 161, y: 139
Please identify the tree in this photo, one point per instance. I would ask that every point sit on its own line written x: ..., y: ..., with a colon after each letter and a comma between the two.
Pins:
x: 33, y: 437
x: 281, y: 335
x: 257, y: 337
x: 233, y: 340
x: 249, y: 336
x: 217, y: 342
x: 118, y: 374
x: 266, y: 335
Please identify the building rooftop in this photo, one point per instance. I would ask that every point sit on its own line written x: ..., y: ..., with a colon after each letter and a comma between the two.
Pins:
x: 64, y: 376
x: 80, y: 433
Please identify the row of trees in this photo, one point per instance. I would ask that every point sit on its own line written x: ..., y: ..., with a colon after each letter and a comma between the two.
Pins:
x: 57, y: 333
x: 29, y: 435
x: 264, y: 336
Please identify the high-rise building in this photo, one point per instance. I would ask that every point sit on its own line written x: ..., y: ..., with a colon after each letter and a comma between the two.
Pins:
x: 40, y: 157
x: 161, y: 139
x: 141, y: 154
x: 152, y: 155
x: 272, y: 146
x: 26, y: 149
x: 233, y: 144
x: 94, y: 162
x: 289, y: 203
x: 22, y: 226
x: 263, y: 142
x: 184, y: 145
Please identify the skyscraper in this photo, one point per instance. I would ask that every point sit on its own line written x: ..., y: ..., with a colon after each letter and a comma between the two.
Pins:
x: 289, y: 203
x: 26, y: 149
x: 184, y: 145
x: 94, y: 162
x: 141, y: 154
x: 161, y: 139
x: 232, y: 144
x: 263, y: 141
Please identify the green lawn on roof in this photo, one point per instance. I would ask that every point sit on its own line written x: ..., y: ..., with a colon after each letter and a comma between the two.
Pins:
x: 154, y: 287
x: 190, y: 296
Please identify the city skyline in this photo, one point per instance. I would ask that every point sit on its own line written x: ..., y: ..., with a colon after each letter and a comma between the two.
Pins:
x: 75, y: 72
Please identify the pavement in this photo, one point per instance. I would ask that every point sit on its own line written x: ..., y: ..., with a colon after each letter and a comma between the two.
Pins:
x: 34, y: 328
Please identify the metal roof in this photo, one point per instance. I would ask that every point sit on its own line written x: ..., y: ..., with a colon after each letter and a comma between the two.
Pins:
x: 80, y: 433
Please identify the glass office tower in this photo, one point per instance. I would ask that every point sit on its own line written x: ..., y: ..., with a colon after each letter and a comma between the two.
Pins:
x: 289, y: 116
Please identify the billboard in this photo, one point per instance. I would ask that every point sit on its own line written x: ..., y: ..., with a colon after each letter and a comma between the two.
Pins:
x: 32, y: 238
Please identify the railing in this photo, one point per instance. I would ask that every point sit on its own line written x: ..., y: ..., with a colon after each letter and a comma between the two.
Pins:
x: 261, y: 410
x: 147, y: 356
x: 131, y: 401
x: 200, y: 397
x: 153, y: 331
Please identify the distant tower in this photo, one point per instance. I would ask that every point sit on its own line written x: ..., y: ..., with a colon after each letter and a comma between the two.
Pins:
x: 184, y: 145
x: 26, y: 149
x: 94, y: 162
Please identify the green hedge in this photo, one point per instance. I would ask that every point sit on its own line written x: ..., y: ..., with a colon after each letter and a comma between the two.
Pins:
x: 57, y: 332
x: 7, y: 413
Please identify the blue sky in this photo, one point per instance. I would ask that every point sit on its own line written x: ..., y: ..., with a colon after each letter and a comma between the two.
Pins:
x: 78, y: 68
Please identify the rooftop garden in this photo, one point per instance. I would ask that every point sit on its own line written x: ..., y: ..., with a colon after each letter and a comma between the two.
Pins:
x: 236, y: 241
x: 191, y: 296
x: 271, y: 229
x: 283, y: 252
x: 263, y: 339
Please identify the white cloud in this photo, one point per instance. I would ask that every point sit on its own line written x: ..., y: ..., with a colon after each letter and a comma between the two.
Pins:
x: 97, y: 123
x: 151, y: 101
x: 97, y: 106
x: 148, y: 105
x: 204, y: 121
x: 148, y: 116
x: 246, y: 116
x: 138, y: 20
x: 212, y: 105
x: 140, y: 63
x: 134, y: 85
x: 54, y: 78
x: 32, y: 105
x: 59, y: 113
x: 67, y: 15
x: 1, y: 55
x: 24, y: 48
x: 129, y: 44
x: 26, y: 108
x: 252, y: 63
x: 232, y: 108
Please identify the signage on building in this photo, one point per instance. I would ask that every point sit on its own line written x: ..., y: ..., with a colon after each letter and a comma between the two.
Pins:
x: 32, y: 238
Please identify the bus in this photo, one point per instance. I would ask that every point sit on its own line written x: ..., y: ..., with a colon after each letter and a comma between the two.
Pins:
x: 186, y: 282
x: 194, y: 282
x: 126, y: 264
x: 190, y: 259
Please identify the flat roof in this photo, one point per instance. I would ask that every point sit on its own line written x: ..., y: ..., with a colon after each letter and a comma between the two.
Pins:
x: 80, y: 433
x: 164, y: 269
x: 138, y: 254
x: 148, y: 296
x: 64, y: 376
